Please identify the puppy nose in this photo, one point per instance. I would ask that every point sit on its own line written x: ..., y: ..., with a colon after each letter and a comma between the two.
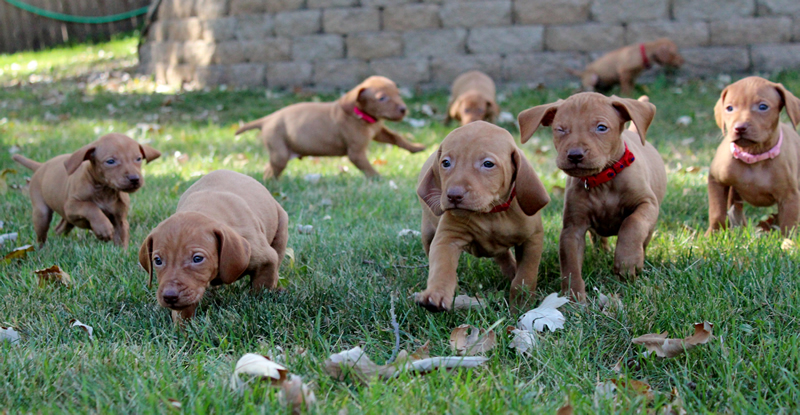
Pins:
x: 575, y: 155
x: 740, y: 128
x: 402, y: 110
x: 455, y: 195
x: 170, y: 296
x: 134, y: 179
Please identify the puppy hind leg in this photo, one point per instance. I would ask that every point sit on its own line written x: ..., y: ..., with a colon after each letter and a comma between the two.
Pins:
x: 42, y: 215
x: 507, y: 264
x: 64, y: 227
x: 279, y: 154
x: 789, y: 213
x: 266, y: 276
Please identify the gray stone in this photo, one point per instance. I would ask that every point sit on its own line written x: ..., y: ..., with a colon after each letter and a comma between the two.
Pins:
x: 778, y: 7
x: 476, y: 13
x: 683, y: 33
x: 444, y: 69
x: 254, y: 27
x: 298, y: 23
x: 176, y: 9
x: 351, y: 20
x: 551, y: 11
x: 584, y: 37
x: 270, y: 49
x: 624, y: 11
x: 227, y: 53
x: 211, y: 9
x: 754, y: 30
x: 372, y: 45
x: 183, y: 30
x: 314, y: 47
x: 435, y: 42
x: 342, y: 73
x: 247, y: 75
x: 219, y: 30
x: 167, y: 53
x: 712, y: 9
x: 513, y: 39
x: 321, y: 4
x: 247, y: 7
x: 542, y: 68
x: 796, y: 29
x: 288, y: 74
x: 775, y: 58
x: 411, y: 17
x: 158, y: 31
x: 211, y: 75
x: 198, y: 52
x: 404, y: 71
x: 277, y: 6
x: 177, y: 75
x: 713, y: 60
x: 379, y: 3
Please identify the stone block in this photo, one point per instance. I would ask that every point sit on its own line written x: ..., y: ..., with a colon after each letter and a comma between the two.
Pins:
x: 411, y: 17
x: 146, y: 62
x: 512, y: 39
x: 796, y: 30
x: 313, y: 47
x: 183, y: 30
x: 160, y: 73
x: 298, y: 23
x: 542, y: 67
x: 177, y: 75
x: 322, y: 4
x: 277, y: 6
x: 775, y: 58
x: 440, y: 42
x: 778, y: 8
x: 176, y: 9
x: 228, y: 53
x: 211, y: 9
x: 351, y: 20
x: 341, y: 73
x: 254, y: 27
x: 219, y: 30
x: 551, y: 11
x: 198, y: 52
x: 584, y: 37
x: 272, y: 49
x: 212, y: 75
x: 289, y: 74
x: 167, y: 53
x: 247, y: 75
x: 444, y: 69
x: 683, y: 33
x: 751, y: 30
x: 383, y: 3
x: 372, y: 45
x: 158, y: 31
x: 713, y: 60
x: 404, y: 71
x: 247, y: 7
x: 712, y: 9
x: 625, y: 11
x: 476, y: 13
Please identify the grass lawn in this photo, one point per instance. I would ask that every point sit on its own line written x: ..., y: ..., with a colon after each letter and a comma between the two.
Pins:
x: 344, y: 273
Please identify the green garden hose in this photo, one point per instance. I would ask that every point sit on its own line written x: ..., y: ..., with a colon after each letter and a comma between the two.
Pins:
x: 77, y: 19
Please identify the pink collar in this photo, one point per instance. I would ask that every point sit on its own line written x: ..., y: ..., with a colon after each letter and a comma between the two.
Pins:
x: 364, y: 116
x: 748, y: 158
x: 645, y: 61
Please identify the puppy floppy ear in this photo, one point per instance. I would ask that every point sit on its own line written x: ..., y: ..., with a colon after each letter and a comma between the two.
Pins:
x: 530, y: 119
x: 430, y: 188
x: 531, y: 194
x: 492, y: 110
x: 146, y: 257
x: 234, y: 254
x: 149, y: 153
x: 718, y: 110
x: 74, y: 161
x: 640, y: 112
x: 454, y: 110
x: 791, y: 103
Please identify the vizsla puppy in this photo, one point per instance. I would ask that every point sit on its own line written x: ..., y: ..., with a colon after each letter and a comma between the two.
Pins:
x: 480, y: 194
x: 617, y: 180
x: 758, y: 160
x: 89, y: 188
x: 623, y: 65
x: 472, y: 98
x: 341, y: 128
x: 226, y: 225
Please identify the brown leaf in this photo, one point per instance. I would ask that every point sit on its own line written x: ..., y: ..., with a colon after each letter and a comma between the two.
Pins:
x: 296, y: 395
x: 3, y: 183
x: 379, y: 162
x: 53, y: 273
x: 18, y: 253
x: 664, y: 347
x: 769, y: 224
x: 174, y: 403
x: 77, y: 323
x: 466, y: 340
x: 465, y: 302
x: 259, y: 367
x: 637, y: 386
x: 565, y: 410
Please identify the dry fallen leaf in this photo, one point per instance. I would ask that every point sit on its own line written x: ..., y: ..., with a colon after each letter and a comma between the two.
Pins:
x: 522, y: 340
x: 408, y: 232
x: 769, y: 224
x: 296, y: 395
x: 664, y: 347
x: 175, y: 403
x: 77, y: 323
x: 3, y: 183
x: 18, y: 253
x: 546, y: 315
x: 692, y: 169
x: 608, y: 303
x: 465, y: 302
x: 467, y: 340
x: 637, y: 386
x: 8, y: 334
x: 565, y: 410
x: 788, y: 245
x: 53, y: 273
x: 257, y: 367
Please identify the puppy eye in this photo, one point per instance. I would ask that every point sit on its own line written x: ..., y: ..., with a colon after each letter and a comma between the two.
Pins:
x: 197, y: 259
x: 139, y: 160
x: 158, y: 261
x: 729, y: 108
x: 763, y: 107
x: 601, y: 128
x: 383, y: 98
x: 446, y: 163
x: 111, y: 162
x: 488, y: 164
x: 561, y: 130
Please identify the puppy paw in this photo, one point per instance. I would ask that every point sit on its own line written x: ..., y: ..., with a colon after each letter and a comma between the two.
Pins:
x: 104, y: 232
x: 416, y: 147
x: 434, y: 301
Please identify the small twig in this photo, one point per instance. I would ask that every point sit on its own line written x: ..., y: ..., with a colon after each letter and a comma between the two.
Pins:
x: 396, y: 327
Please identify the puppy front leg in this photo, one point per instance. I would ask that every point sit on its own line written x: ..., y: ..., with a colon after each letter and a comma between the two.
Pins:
x: 717, y: 205
x: 633, y: 237
x: 179, y: 317
x: 571, y: 245
x: 523, y: 286
x: 735, y: 209
x: 121, y: 231
x: 359, y: 158
x: 101, y: 225
x: 625, y: 83
x: 789, y: 212
x: 442, y: 277
x: 388, y: 136
x: 266, y: 276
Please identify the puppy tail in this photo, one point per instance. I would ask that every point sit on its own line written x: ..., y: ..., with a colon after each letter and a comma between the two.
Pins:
x: 252, y: 125
x: 33, y: 165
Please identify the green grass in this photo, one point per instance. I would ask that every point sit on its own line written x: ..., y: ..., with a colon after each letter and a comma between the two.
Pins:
x: 340, y: 285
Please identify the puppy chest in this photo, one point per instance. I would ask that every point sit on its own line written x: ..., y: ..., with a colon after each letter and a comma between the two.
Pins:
x: 493, y: 241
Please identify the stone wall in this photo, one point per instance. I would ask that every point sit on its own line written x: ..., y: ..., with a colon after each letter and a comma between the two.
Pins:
x: 337, y: 43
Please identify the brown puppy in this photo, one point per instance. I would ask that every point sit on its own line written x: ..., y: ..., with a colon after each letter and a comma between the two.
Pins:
x: 607, y: 192
x: 623, y: 65
x: 472, y: 98
x: 480, y: 194
x: 758, y: 160
x: 89, y: 188
x: 341, y: 128
x: 226, y: 225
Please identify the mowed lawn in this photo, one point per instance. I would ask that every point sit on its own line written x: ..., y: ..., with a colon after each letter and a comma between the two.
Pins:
x: 344, y: 273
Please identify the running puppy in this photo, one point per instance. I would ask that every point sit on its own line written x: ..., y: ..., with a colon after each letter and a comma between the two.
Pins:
x: 617, y: 180
x: 341, y: 128
x: 472, y: 98
x: 89, y: 188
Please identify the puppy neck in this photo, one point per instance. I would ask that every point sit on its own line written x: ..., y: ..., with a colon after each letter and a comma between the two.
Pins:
x: 759, y: 152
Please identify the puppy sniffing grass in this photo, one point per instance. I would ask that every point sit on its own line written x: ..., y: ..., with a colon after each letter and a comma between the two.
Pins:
x: 472, y: 98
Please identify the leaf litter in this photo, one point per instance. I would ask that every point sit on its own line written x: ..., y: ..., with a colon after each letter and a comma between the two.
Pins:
x: 665, y: 347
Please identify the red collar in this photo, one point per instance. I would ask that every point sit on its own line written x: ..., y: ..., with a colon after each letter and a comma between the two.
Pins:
x: 364, y: 116
x: 645, y: 61
x: 505, y: 206
x: 610, y: 173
